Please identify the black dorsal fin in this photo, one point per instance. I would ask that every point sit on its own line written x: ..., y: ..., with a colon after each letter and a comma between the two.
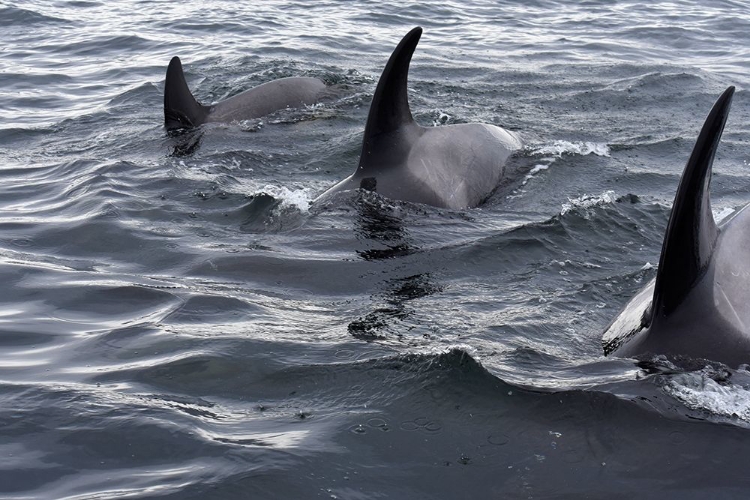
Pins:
x: 181, y: 110
x: 389, y: 110
x: 691, y: 231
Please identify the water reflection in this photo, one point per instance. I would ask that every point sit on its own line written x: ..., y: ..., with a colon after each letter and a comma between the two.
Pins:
x: 392, y: 316
x: 380, y: 228
x: 184, y: 142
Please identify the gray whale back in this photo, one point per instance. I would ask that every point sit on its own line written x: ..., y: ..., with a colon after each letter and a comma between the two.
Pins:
x: 182, y: 110
x: 454, y: 166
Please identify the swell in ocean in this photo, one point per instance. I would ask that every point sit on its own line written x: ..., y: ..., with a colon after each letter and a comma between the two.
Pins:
x: 179, y: 319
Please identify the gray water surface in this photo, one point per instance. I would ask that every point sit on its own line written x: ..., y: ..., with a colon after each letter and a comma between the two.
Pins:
x: 177, y: 320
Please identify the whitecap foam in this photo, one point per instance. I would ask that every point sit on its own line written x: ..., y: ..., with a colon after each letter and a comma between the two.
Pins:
x: 295, y: 197
x: 588, y: 201
x: 559, y: 148
x: 533, y: 172
x: 698, y: 391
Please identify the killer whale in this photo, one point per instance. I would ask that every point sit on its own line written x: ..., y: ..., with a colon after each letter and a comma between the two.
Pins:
x: 454, y: 166
x: 698, y: 306
x: 182, y: 110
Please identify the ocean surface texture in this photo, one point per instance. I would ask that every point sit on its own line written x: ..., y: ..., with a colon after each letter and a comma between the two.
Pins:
x: 179, y: 320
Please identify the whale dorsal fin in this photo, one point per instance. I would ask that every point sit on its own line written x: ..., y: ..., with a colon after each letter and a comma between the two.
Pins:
x: 691, y: 232
x: 181, y: 110
x: 389, y: 110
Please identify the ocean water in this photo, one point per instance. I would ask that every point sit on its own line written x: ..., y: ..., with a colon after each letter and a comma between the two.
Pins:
x: 179, y: 320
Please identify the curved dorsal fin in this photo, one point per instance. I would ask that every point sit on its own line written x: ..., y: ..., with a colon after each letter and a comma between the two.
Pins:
x: 691, y: 232
x: 389, y: 110
x: 180, y: 107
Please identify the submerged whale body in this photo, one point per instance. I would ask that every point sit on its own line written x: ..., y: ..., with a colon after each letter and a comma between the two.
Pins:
x: 182, y: 110
x: 455, y: 166
x: 698, y: 305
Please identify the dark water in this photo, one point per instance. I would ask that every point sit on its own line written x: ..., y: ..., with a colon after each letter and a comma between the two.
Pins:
x: 177, y: 320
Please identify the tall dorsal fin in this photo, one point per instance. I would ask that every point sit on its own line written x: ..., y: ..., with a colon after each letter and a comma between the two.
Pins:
x: 389, y: 110
x: 181, y: 110
x: 691, y: 233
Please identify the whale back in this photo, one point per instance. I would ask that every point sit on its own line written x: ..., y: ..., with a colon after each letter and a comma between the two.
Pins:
x: 699, y: 303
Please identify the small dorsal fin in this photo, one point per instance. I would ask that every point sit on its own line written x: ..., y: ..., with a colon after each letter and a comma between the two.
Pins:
x: 691, y: 232
x: 181, y: 110
x: 389, y: 110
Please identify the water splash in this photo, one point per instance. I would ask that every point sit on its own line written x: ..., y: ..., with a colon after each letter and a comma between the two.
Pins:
x: 698, y: 391
x: 587, y: 201
x: 290, y: 197
x: 560, y: 148
x: 720, y: 214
